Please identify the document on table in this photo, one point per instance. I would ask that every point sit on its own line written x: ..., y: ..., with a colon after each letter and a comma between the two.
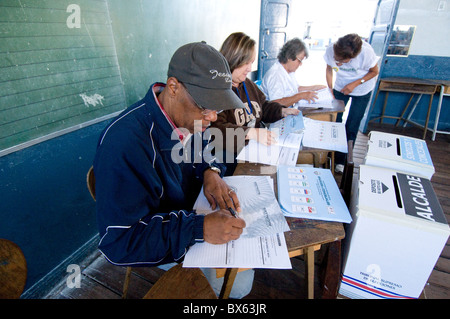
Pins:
x: 262, y: 243
x: 257, y: 252
x: 324, y: 100
x: 309, y: 192
x: 277, y: 154
x: 289, y: 132
x: 325, y: 135
x: 288, y: 124
x: 260, y: 209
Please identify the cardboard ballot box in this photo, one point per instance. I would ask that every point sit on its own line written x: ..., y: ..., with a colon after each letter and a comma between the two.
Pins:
x: 400, y: 153
x: 397, y: 234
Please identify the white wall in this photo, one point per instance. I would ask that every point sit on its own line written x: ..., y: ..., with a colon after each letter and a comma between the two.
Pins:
x: 432, y: 25
x: 332, y: 19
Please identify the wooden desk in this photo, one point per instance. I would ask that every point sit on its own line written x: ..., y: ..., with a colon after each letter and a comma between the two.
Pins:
x: 324, y: 114
x: 305, y: 237
x: 407, y: 85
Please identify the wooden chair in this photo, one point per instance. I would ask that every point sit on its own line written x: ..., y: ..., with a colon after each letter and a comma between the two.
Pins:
x: 90, y: 180
x: 182, y: 283
x: 176, y: 283
x: 13, y: 270
x: 347, y: 175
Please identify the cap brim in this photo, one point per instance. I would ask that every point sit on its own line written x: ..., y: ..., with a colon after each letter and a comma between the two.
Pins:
x: 215, y: 99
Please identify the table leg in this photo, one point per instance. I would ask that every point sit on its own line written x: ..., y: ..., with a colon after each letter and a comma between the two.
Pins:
x: 412, y: 110
x: 228, y: 281
x: 438, y: 112
x: 404, y: 110
x: 331, y: 271
x: 384, y: 107
x: 428, y: 118
x: 309, y: 260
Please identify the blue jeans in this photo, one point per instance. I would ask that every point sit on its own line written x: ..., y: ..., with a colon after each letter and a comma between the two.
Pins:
x: 355, y: 114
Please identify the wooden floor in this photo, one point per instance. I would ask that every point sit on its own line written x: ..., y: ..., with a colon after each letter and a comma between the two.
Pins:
x: 101, y: 280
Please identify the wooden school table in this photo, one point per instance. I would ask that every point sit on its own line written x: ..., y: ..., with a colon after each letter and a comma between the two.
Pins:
x: 324, y: 114
x: 305, y: 237
x: 407, y: 85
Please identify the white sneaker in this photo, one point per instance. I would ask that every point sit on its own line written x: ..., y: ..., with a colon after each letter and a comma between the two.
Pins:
x: 339, y: 168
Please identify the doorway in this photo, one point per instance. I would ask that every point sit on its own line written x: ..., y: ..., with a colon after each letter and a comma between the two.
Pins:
x: 320, y: 23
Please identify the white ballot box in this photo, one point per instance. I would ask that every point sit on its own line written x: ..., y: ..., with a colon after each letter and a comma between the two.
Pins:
x: 400, y: 153
x: 397, y: 235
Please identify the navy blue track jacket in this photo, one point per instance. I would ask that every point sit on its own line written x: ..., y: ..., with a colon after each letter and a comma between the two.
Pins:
x: 145, y: 199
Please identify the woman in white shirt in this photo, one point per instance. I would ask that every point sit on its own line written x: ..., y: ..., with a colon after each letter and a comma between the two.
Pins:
x: 355, y: 64
x: 279, y: 83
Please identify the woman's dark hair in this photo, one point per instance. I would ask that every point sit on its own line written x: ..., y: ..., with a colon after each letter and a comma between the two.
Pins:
x: 291, y: 49
x: 348, y: 46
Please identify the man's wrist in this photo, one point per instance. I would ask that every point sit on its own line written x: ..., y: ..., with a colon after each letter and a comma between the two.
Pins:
x: 198, y: 228
x: 215, y: 169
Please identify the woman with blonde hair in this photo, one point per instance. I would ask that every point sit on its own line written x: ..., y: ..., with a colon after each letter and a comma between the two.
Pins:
x: 240, y: 52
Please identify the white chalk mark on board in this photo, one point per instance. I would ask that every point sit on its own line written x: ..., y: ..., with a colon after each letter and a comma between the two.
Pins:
x: 92, y: 100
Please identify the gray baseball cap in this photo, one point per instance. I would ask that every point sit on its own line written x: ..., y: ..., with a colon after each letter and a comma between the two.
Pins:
x: 206, y: 74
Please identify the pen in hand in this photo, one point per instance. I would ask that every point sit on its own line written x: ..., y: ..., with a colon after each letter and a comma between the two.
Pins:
x: 233, y: 212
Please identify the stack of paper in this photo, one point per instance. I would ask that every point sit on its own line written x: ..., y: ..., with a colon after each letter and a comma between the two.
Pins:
x: 325, y: 100
x: 261, y: 245
x: 260, y: 209
x: 289, y: 132
x: 308, y: 192
x: 289, y: 124
x: 325, y: 135
x: 285, y: 152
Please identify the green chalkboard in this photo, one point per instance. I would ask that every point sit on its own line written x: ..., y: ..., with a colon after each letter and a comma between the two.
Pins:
x: 58, y: 67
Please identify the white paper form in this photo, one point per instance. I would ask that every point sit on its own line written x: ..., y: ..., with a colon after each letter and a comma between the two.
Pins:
x: 288, y: 124
x: 260, y: 209
x: 325, y: 135
x: 289, y: 132
x: 285, y: 152
x: 257, y: 252
x: 324, y: 99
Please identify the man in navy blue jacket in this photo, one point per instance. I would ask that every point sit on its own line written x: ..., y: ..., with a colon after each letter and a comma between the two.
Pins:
x: 144, y: 193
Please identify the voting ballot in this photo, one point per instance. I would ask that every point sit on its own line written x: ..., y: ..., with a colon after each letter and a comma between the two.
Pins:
x: 400, y: 153
x: 397, y: 235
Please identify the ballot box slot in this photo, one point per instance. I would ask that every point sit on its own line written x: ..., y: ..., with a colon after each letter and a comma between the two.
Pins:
x: 397, y: 192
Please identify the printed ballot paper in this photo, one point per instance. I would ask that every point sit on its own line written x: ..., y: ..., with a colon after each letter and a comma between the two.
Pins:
x: 397, y: 235
x: 324, y: 99
x: 260, y: 210
x: 325, y: 135
x: 262, y: 243
x: 309, y: 192
x: 289, y: 132
x: 257, y: 252
x: 400, y: 153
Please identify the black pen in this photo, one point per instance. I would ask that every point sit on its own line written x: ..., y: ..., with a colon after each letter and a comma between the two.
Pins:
x: 232, y: 211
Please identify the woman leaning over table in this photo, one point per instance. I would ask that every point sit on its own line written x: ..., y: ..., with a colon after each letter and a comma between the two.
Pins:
x: 280, y: 84
x: 240, y: 52
x: 355, y: 64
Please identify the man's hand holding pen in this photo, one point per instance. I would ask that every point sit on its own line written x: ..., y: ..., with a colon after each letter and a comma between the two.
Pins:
x: 222, y: 226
